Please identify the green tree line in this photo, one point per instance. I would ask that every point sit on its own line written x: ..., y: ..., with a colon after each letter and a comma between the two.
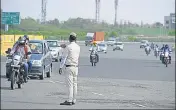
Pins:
x: 81, y: 27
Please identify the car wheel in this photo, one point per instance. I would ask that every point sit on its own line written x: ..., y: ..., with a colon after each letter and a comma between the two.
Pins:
x: 49, y: 73
x: 43, y: 74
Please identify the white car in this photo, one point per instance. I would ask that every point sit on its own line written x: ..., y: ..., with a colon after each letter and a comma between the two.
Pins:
x: 144, y: 43
x: 118, y: 46
x: 55, y: 49
x: 102, y: 47
x: 111, y: 41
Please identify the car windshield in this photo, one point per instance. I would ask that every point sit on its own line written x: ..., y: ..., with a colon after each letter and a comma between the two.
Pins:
x: 102, y: 45
x: 88, y: 38
x: 36, y: 48
x: 52, y: 43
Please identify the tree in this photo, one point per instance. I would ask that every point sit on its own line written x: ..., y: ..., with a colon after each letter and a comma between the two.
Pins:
x: 113, y: 34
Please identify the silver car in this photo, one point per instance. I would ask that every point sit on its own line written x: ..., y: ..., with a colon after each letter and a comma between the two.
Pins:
x: 41, y: 59
x: 55, y: 48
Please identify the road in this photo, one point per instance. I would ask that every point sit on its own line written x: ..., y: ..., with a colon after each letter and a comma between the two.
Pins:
x: 121, y: 80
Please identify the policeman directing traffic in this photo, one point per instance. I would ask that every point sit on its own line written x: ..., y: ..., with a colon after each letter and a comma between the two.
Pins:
x: 69, y: 61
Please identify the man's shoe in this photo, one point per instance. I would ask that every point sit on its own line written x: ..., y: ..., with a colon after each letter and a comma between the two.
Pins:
x: 66, y: 103
x: 73, y: 103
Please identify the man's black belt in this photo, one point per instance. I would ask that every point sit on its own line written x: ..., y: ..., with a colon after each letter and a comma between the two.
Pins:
x: 71, y: 65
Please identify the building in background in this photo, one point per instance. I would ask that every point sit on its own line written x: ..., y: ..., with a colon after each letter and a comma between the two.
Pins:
x: 169, y: 21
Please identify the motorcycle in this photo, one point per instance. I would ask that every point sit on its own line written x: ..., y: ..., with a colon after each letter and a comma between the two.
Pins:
x: 161, y: 55
x: 17, y: 75
x: 93, y: 58
x: 166, y: 58
x: 147, y: 51
x: 156, y: 53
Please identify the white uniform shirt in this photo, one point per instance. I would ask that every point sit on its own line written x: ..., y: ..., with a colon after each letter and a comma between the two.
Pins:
x: 71, y: 55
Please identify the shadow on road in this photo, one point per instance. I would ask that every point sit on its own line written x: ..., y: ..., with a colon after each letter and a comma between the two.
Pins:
x: 5, y: 88
x: 85, y: 65
x: 3, y: 76
x: 33, y: 102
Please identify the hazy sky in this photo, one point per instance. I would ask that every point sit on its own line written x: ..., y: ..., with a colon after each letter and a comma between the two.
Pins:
x: 148, y: 11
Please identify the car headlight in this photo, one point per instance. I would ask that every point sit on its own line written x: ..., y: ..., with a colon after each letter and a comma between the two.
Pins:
x: 8, y: 60
x: 37, y: 62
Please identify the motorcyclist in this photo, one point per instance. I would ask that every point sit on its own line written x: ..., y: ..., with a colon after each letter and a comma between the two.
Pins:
x: 95, y: 48
x: 26, y: 38
x: 156, y: 48
x: 147, y: 48
x: 23, y: 50
x: 162, y: 48
x: 8, y: 68
x: 167, y: 49
x: 152, y: 45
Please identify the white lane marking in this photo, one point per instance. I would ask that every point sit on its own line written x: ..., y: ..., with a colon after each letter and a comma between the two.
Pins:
x: 97, y: 93
x: 59, y: 82
x: 51, y: 81
x: 117, y: 94
x: 138, y: 105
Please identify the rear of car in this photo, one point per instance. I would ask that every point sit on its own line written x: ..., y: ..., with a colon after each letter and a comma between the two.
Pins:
x: 55, y: 49
x: 143, y: 43
x: 111, y: 41
x: 102, y: 47
x: 118, y: 46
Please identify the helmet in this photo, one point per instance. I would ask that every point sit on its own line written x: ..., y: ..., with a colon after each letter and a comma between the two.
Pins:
x: 94, y: 42
x: 26, y: 37
x: 21, y: 41
x: 166, y: 46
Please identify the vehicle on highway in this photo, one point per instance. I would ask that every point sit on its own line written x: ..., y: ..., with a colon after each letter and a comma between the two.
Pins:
x: 89, y: 39
x: 147, y: 50
x: 102, y: 47
x: 8, y: 63
x: 41, y: 59
x: 93, y: 58
x: 17, y: 75
x: 111, y: 41
x: 166, y: 58
x: 144, y: 43
x: 55, y: 49
x: 156, y: 52
x: 118, y: 46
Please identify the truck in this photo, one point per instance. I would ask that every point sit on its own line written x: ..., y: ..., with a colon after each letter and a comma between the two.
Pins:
x: 89, y: 38
x: 96, y: 36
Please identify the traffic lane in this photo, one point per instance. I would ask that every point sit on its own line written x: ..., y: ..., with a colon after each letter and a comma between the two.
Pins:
x: 92, y: 93
x: 131, y: 51
x: 117, y: 63
x: 128, y: 69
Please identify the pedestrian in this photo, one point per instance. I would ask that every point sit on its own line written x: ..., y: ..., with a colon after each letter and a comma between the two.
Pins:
x: 70, y: 62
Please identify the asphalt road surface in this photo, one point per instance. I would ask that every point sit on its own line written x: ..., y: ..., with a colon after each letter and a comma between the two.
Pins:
x: 121, y: 80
